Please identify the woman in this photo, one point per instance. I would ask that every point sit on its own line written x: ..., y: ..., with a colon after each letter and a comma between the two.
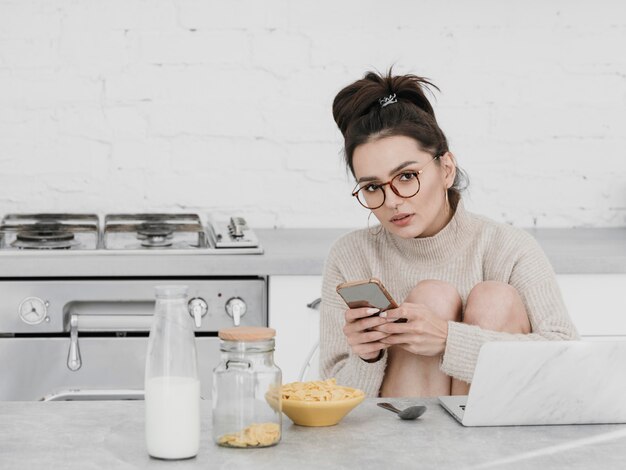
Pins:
x: 463, y: 279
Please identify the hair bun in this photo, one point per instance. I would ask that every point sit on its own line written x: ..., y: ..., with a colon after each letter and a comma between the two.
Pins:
x: 363, y: 96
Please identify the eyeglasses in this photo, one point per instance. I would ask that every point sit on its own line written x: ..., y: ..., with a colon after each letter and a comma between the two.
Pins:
x: 405, y: 185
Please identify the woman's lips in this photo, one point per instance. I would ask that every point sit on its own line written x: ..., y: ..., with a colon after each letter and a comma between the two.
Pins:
x: 401, y: 220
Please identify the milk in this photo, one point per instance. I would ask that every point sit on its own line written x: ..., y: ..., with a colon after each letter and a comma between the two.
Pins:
x: 172, y: 417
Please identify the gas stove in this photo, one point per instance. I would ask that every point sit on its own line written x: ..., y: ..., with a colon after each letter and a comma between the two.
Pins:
x: 78, y: 296
x: 136, y: 233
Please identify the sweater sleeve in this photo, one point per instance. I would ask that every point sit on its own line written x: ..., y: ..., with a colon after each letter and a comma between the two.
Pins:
x: 535, y: 281
x: 336, y: 357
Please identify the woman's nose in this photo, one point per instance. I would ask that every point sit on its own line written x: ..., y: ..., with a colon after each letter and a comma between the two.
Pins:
x: 392, y: 200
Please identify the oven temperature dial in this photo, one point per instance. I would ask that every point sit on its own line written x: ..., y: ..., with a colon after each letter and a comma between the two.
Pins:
x: 33, y: 310
x: 236, y: 308
x: 197, y: 309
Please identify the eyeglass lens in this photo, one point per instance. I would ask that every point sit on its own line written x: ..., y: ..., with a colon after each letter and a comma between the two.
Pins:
x: 405, y: 185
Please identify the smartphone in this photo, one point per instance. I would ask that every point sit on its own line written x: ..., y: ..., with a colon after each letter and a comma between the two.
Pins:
x: 366, y: 293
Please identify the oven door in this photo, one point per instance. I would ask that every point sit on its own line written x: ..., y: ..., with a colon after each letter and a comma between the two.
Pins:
x: 112, y: 368
x: 88, y: 338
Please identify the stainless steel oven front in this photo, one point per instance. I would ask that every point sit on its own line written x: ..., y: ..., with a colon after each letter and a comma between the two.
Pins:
x: 86, y: 338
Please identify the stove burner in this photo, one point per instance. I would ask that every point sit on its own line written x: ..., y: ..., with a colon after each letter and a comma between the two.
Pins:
x: 44, y: 236
x: 155, y: 235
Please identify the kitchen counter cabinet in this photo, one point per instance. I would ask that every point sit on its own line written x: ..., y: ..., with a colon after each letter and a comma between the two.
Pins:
x: 294, y: 313
x: 299, y: 252
x: 110, y: 435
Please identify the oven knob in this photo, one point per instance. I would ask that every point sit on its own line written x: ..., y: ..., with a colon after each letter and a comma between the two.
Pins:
x: 33, y: 310
x: 197, y: 309
x: 236, y: 308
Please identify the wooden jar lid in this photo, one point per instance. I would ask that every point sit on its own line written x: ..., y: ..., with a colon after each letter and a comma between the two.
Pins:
x: 247, y: 333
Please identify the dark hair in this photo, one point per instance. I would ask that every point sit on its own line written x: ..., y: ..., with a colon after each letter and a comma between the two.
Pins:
x: 361, y: 118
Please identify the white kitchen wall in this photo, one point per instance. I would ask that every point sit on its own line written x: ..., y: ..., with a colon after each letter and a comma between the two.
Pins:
x: 221, y: 106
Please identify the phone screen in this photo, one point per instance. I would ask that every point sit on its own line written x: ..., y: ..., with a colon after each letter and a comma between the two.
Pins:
x: 365, y: 295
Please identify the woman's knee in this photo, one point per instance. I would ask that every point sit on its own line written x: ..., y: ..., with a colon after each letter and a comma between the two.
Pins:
x: 442, y: 297
x: 496, y: 306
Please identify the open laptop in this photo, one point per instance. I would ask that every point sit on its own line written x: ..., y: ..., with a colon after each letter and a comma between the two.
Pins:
x: 545, y: 382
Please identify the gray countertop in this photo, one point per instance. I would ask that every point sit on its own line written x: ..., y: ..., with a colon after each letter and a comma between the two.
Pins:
x: 110, y: 435
x: 295, y: 252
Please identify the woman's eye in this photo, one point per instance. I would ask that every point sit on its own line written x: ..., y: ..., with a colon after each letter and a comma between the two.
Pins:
x: 370, y: 188
x: 408, y: 176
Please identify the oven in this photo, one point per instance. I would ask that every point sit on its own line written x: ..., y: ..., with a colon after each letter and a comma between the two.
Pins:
x: 77, y: 328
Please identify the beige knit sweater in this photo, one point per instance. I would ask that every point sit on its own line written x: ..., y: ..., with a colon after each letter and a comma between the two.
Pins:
x: 470, y: 249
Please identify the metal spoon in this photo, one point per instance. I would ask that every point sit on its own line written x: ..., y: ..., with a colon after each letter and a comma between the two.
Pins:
x: 412, y: 412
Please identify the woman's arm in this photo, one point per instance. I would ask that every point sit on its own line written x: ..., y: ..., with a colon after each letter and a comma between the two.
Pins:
x: 336, y: 357
x: 459, y: 343
x: 535, y: 281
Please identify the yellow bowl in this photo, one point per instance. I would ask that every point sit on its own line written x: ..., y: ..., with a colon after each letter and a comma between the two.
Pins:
x: 320, y: 413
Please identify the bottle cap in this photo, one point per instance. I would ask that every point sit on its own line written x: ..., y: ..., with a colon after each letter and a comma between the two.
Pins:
x: 247, y: 333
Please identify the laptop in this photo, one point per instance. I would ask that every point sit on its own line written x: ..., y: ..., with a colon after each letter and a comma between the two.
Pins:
x: 545, y: 382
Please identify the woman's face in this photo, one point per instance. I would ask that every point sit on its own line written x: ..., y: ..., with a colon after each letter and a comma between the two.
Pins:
x: 422, y: 215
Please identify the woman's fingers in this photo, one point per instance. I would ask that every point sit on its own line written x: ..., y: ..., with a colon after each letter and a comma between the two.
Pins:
x: 401, y: 338
x: 353, y: 314
x: 366, y: 349
x: 407, y: 311
x: 361, y: 334
x: 392, y: 328
x: 363, y: 324
x: 366, y: 337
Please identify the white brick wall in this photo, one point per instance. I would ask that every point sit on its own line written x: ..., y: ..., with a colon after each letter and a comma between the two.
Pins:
x: 221, y: 106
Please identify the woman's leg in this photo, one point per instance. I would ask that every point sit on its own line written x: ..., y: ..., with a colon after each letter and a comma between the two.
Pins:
x: 408, y: 374
x: 494, y: 306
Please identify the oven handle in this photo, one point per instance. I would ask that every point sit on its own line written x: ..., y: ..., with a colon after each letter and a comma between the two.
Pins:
x: 113, y: 322
x: 101, y: 323
x: 94, y: 394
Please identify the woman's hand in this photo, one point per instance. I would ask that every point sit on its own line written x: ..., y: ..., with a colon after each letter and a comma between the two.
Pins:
x: 424, y: 333
x: 364, y: 341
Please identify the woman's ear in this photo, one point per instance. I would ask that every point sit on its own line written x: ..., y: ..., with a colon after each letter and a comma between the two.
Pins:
x: 448, y: 165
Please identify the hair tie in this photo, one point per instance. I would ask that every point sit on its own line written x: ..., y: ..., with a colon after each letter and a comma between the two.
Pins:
x: 387, y: 100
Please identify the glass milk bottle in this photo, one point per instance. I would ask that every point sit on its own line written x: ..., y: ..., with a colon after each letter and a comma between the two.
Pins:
x: 172, y: 387
x: 246, y: 389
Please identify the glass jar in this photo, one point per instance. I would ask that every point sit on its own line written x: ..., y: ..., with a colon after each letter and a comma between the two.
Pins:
x: 246, y: 389
x: 172, y: 387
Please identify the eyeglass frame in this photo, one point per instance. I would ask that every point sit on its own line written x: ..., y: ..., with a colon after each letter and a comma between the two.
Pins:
x: 393, y: 188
